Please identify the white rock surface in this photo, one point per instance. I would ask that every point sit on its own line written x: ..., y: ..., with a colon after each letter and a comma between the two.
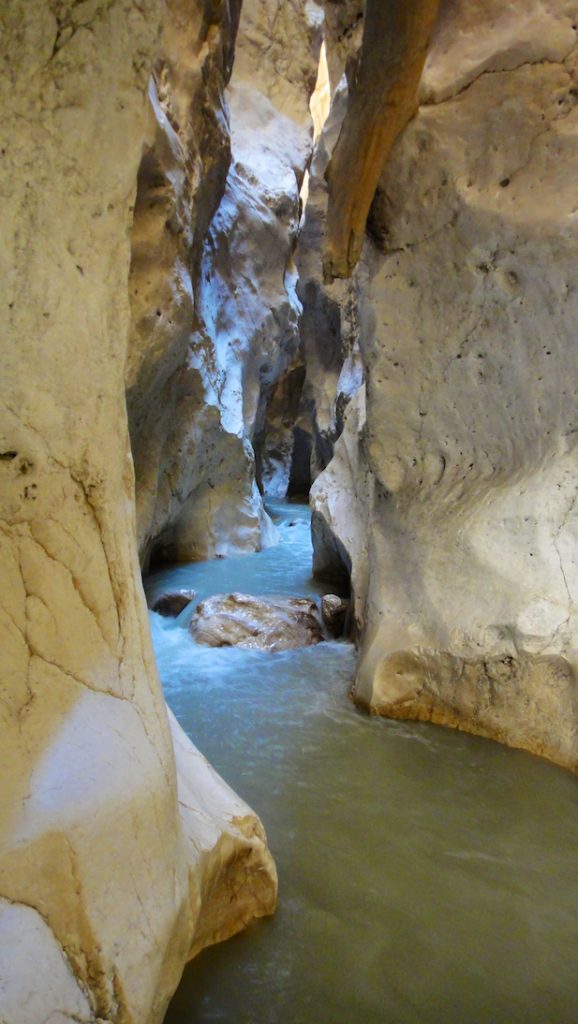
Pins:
x: 24, y: 939
x: 250, y: 278
x: 472, y: 38
x: 468, y: 342
x: 340, y: 499
x: 95, y: 861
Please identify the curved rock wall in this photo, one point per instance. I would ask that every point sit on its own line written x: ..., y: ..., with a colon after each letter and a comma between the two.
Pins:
x: 468, y: 342
x: 329, y: 324
x: 181, y: 182
x: 214, y: 318
x: 108, y: 880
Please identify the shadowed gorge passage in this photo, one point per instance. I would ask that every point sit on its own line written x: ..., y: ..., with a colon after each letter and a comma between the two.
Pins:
x: 254, y: 251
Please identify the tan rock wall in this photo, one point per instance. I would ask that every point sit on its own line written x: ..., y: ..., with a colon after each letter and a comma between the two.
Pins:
x: 181, y: 181
x: 468, y: 343
x: 214, y: 319
x: 329, y: 323
x: 94, y: 865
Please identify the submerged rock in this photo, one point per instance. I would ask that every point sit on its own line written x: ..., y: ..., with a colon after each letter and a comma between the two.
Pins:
x: 334, y: 611
x: 172, y: 603
x: 239, y: 620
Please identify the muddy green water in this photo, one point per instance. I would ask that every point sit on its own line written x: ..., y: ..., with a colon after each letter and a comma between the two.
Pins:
x: 426, y: 877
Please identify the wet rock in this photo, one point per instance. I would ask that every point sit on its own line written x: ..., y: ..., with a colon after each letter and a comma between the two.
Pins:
x: 334, y: 613
x: 172, y: 604
x: 239, y: 620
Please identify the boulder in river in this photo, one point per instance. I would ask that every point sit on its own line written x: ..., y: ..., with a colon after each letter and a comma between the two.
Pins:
x: 271, y: 624
x: 171, y: 604
x: 334, y: 613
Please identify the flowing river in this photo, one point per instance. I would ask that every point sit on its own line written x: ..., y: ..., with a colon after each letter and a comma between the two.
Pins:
x: 426, y: 876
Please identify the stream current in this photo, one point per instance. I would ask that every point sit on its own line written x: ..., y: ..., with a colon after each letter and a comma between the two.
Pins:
x: 426, y: 876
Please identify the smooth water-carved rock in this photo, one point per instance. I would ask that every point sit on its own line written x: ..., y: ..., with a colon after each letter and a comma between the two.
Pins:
x: 214, y: 319
x: 232, y: 875
x: 467, y: 331
x: 172, y: 604
x: 329, y: 324
x: 195, y: 472
x: 340, y: 499
x: 247, y: 292
x: 96, y: 878
x: 270, y: 624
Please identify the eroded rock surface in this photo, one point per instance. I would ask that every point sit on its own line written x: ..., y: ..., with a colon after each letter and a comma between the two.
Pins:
x: 329, y: 324
x: 215, y: 318
x: 382, y: 99
x: 101, y: 870
x: 239, y: 620
x: 467, y: 332
x: 196, y: 493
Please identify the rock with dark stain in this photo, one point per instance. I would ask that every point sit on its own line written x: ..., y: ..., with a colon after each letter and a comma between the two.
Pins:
x: 172, y: 604
x: 334, y: 613
x: 271, y: 624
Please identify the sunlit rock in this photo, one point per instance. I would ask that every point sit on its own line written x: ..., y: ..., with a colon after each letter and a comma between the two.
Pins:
x: 239, y: 620
x: 102, y: 872
x: 329, y: 324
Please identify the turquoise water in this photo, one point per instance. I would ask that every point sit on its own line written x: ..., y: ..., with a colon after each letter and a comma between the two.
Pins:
x: 426, y: 877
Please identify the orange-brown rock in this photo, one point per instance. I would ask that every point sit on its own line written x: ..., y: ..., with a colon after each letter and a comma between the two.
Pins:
x: 383, y: 98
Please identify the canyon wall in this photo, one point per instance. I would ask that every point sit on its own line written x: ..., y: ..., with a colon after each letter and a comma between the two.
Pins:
x: 181, y: 181
x: 329, y: 324
x: 116, y: 863
x: 467, y: 334
x: 215, y: 314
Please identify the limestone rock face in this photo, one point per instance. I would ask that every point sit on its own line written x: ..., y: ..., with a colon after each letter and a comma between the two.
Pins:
x: 232, y: 876
x: 239, y: 620
x: 192, y: 469
x: 248, y: 285
x: 341, y: 498
x: 467, y: 333
x: 214, y: 317
x: 97, y: 866
x: 382, y: 99
x: 329, y: 322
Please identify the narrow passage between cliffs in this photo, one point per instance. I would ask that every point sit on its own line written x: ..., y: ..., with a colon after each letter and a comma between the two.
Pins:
x: 424, y: 874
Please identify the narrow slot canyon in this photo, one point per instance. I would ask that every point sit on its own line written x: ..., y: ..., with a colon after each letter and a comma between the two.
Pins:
x: 288, y: 475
